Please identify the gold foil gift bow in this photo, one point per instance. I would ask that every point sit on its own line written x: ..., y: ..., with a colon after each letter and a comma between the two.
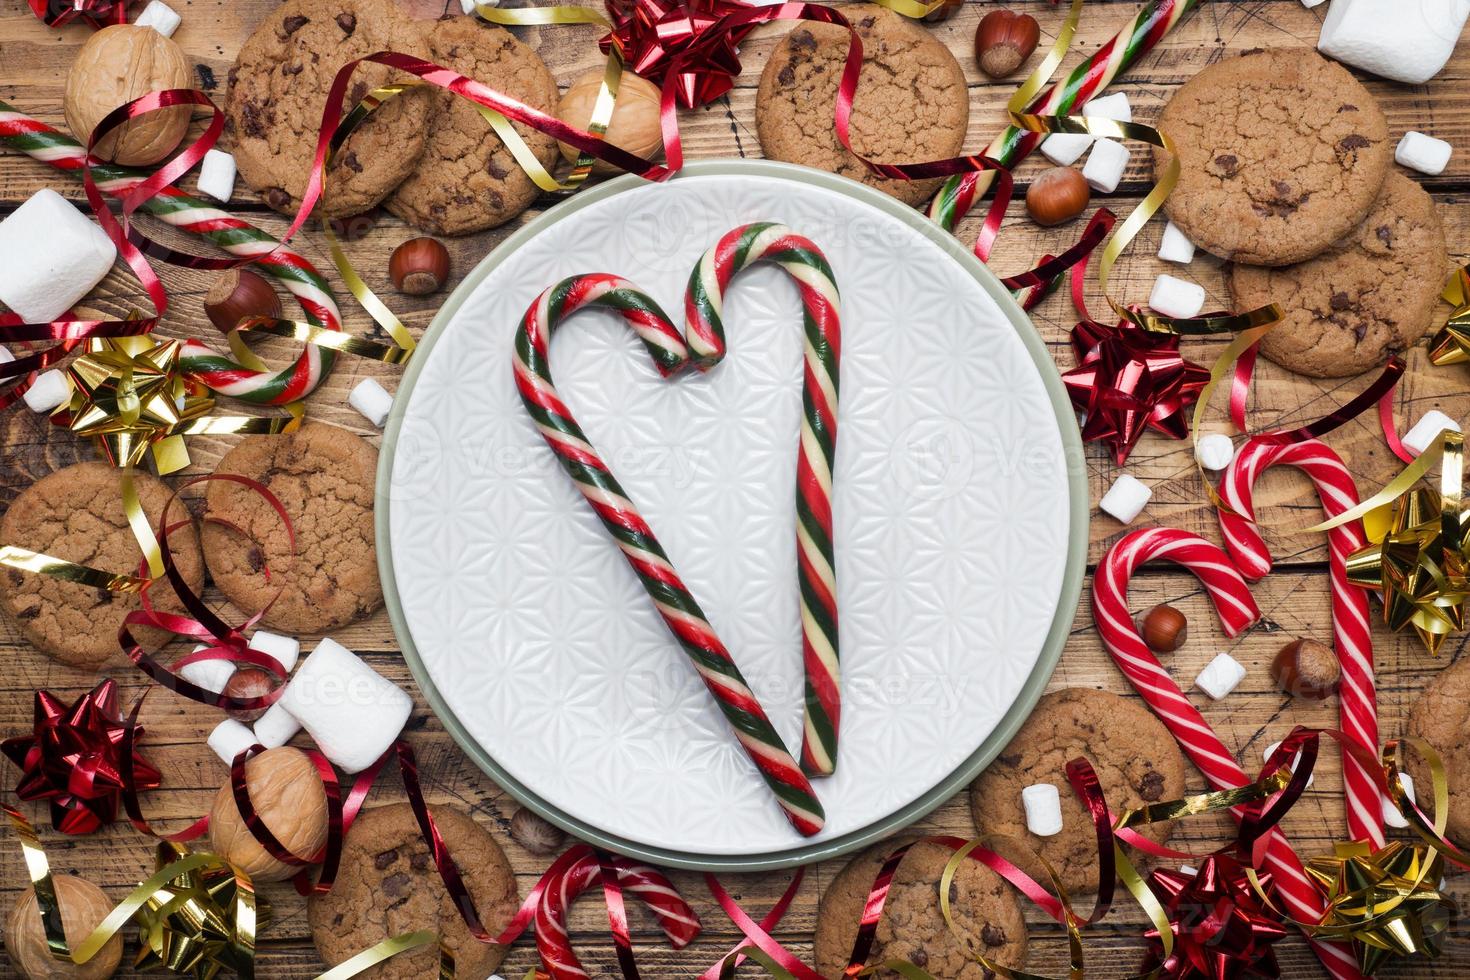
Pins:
x: 1417, y: 556
x: 1451, y: 345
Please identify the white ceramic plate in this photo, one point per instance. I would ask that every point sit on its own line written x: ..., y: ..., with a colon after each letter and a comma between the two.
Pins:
x: 959, y: 524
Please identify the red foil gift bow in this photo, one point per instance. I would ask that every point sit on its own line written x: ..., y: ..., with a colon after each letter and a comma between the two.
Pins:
x: 98, y: 13
x: 651, y: 35
x: 75, y: 758
x: 1221, y: 929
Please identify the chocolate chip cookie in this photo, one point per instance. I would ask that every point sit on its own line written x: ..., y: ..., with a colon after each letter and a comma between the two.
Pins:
x: 467, y: 180
x: 324, y: 477
x: 1441, y: 716
x: 388, y: 885
x: 912, y: 929
x: 77, y: 514
x: 1281, y: 154
x: 1371, y: 295
x: 911, y: 104
x: 278, y: 89
x: 1136, y: 759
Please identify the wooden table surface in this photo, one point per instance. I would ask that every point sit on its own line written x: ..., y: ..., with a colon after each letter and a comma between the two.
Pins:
x: 33, y: 64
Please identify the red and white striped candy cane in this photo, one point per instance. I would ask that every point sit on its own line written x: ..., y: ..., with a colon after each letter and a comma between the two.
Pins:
x: 675, y: 917
x: 704, y: 327
x: 1237, y: 610
x: 1351, y: 632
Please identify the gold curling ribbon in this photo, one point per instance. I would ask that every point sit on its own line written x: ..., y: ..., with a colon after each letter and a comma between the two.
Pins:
x: 196, y: 914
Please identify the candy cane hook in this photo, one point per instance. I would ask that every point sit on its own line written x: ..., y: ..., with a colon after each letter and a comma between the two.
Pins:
x: 1352, y: 634
x: 822, y: 328
x: 1237, y: 610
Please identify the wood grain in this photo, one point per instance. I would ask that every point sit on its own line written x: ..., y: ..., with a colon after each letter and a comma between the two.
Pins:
x: 33, y: 63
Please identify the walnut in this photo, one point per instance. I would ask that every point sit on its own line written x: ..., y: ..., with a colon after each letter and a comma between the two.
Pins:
x: 288, y: 796
x: 83, y: 907
x: 115, y: 66
x: 635, y: 122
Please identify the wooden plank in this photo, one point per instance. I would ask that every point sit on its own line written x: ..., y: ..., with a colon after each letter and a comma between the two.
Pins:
x: 1295, y: 599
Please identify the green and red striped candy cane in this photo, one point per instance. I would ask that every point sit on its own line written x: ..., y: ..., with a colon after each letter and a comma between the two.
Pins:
x: 19, y: 131
x: 959, y: 194
x: 671, y: 597
x: 704, y: 329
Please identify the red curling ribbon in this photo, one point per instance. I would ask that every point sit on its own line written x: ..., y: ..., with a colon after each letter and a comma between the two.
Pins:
x: 732, y: 960
x: 1391, y: 429
x: 80, y: 758
x: 226, y: 642
x: 132, y: 784
x: 1129, y: 379
x: 1222, y: 930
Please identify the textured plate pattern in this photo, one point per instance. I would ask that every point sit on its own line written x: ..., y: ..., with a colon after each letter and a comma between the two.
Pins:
x: 951, y: 502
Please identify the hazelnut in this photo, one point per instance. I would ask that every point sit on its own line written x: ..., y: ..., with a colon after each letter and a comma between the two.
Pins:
x: 288, y: 796
x: 237, y: 294
x: 1165, y: 629
x: 635, y: 120
x: 944, y: 11
x: 1004, y: 40
x: 1306, y: 668
x: 535, y: 834
x: 1057, y: 195
x: 83, y: 907
x: 116, y: 66
x: 419, y: 266
x: 248, y: 682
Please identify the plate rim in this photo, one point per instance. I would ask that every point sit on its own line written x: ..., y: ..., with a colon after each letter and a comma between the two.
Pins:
x: 1073, y: 572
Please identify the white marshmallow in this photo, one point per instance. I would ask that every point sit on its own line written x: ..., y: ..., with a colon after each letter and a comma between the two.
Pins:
x: 217, y: 175
x: 1105, y: 165
x: 229, y: 739
x: 1405, y: 40
x: 51, y: 391
x: 1185, y: 869
x: 371, y: 400
x: 276, y: 727
x: 1126, y: 498
x: 1423, y: 153
x: 1266, y: 755
x: 468, y: 6
x: 1214, y: 451
x: 5, y: 356
x: 161, y: 17
x: 1174, y: 246
x: 1113, y: 106
x: 1043, y: 809
x: 212, y: 675
x: 1220, y: 676
x: 51, y: 255
x: 286, y: 649
x: 1176, y: 297
x: 1065, y: 149
x: 1391, y: 814
x: 1309, y: 4
x: 352, y: 711
x: 1427, y: 430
